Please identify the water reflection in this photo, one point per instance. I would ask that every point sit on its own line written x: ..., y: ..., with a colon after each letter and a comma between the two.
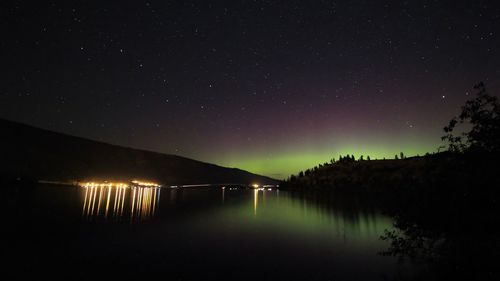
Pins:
x: 308, y: 214
x: 255, y: 201
x: 263, y: 234
x: 119, y: 202
x: 263, y: 192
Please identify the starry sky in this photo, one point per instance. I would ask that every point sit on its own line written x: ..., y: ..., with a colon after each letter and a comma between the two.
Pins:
x: 272, y: 87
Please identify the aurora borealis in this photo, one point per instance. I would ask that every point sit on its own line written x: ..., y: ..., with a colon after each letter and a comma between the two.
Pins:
x: 272, y: 87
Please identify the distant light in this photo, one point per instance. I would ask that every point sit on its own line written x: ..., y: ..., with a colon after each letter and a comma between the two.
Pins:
x: 103, y: 184
x: 117, y: 184
x: 255, y: 185
x: 147, y: 184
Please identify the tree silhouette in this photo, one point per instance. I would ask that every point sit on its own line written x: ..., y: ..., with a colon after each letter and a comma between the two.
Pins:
x: 483, y: 115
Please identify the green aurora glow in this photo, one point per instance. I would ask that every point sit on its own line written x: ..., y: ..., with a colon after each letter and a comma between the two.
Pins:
x: 281, y: 162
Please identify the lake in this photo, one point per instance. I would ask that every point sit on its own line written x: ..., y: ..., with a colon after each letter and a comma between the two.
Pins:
x: 71, y: 232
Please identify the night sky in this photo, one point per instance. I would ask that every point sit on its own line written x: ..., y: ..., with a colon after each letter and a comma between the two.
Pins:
x: 272, y: 87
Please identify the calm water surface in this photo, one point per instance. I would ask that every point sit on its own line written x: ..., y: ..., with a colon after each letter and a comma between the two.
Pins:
x: 56, y: 232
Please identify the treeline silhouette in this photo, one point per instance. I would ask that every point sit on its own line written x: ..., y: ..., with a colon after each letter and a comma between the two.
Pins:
x: 348, y: 171
x: 445, y: 205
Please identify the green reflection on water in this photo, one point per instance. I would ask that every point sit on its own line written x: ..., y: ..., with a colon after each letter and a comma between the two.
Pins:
x: 261, y: 212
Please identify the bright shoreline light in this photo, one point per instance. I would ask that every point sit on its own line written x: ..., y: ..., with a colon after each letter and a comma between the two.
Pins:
x: 103, y: 184
x: 144, y: 183
x: 118, y: 184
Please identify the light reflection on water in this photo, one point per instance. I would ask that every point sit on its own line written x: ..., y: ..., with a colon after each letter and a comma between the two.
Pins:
x: 280, y: 235
x: 118, y: 202
x: 331, y: 219
x: 244, y: 210
x: 262, y: 208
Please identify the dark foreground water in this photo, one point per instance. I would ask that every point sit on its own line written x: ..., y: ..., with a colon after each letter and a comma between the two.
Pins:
x: 56, y: 232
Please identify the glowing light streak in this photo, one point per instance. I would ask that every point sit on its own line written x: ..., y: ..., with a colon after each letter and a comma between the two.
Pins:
x: 107, y: 202
x: 85, y: 201
x: 123, y: 201
x: 255, y: 201
x: 99, y: 203
x: 142, y: 202
x: 133, y: 203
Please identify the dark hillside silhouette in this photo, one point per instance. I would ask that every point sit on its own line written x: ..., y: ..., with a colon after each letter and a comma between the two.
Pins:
x: 30, y: 153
